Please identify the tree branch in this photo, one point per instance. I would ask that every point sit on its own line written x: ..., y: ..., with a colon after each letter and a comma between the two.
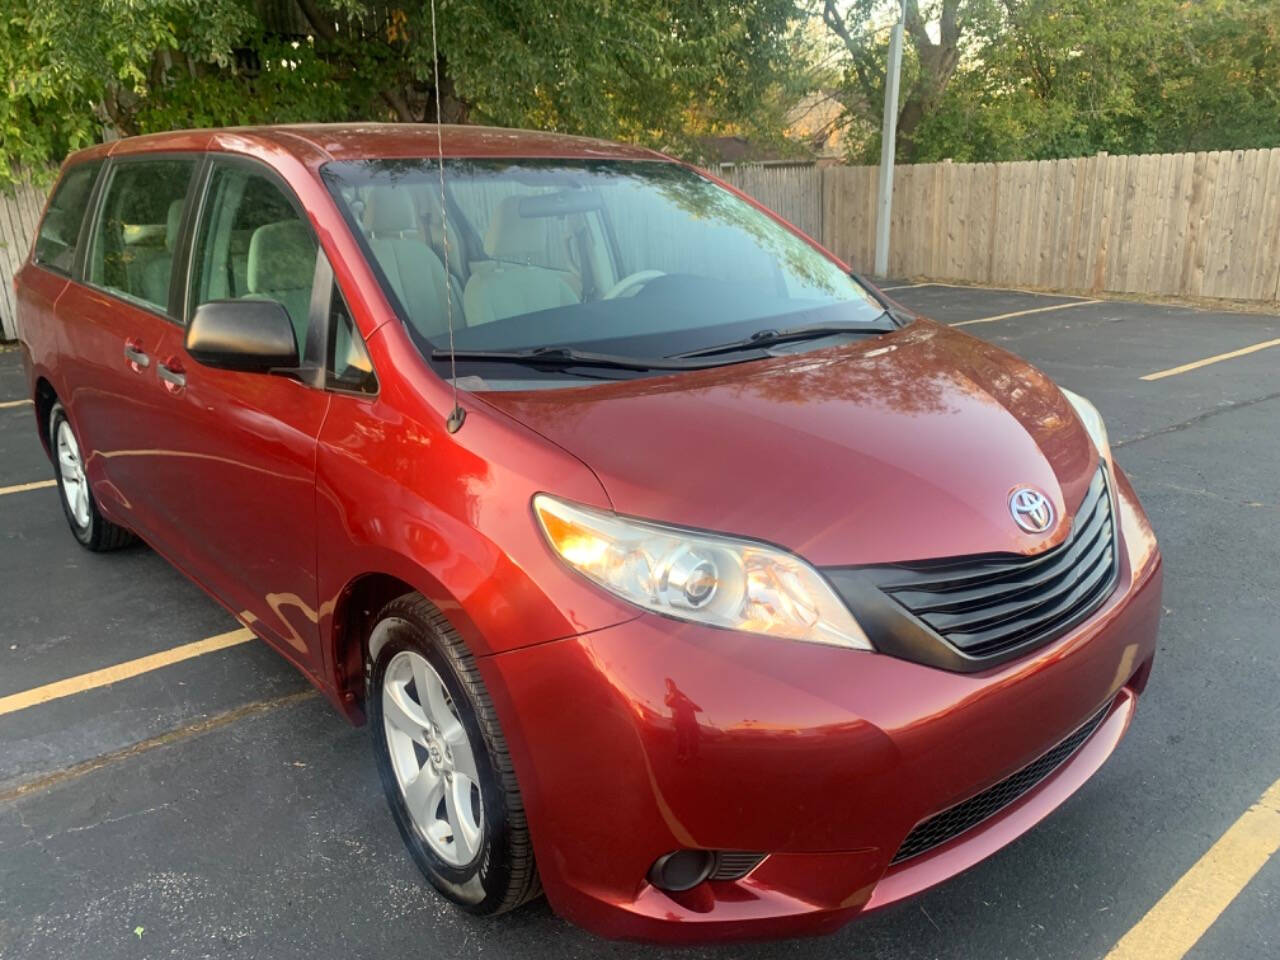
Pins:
x: 835, y: 23
x: 319, y: 23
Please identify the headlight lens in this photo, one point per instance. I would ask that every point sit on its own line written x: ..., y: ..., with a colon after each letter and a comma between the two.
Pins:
x: 1092, y: 421
x: 700, y: 577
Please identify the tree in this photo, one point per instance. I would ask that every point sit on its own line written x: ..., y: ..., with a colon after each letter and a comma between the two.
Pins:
x: 660, y: 72
x: 1030, y: 79
x: 928, y: 66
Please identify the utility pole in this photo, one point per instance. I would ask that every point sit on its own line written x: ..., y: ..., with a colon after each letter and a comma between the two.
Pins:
x: 888, y: 143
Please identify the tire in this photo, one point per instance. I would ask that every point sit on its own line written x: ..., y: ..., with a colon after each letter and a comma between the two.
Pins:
x: 90, y: 528
x: 477, y: 854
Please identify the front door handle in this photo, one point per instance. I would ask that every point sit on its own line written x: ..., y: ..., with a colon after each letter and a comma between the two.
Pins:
x: 134, y: 353
x: 172, y: 374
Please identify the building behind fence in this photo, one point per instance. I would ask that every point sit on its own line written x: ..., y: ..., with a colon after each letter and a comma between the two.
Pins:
x: 1190, y: 224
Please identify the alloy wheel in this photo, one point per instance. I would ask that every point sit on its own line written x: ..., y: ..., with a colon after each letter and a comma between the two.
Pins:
x: 432, y: 758
x: 75, y: 486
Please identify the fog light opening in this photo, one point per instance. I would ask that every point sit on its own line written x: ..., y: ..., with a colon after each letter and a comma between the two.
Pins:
x: 681, y: 870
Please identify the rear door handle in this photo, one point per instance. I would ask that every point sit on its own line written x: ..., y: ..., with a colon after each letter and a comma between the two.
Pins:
x: 172, y: 374
x: 134, y: 353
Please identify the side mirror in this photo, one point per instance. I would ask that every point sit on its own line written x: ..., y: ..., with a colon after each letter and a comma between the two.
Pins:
x: 250, y: 335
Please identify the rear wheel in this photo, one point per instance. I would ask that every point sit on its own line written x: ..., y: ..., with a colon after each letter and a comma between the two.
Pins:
x: 87, y: 524
x: 444, y: 763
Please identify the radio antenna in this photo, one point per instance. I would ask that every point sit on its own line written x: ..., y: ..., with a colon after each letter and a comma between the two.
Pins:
x: 457, y: 414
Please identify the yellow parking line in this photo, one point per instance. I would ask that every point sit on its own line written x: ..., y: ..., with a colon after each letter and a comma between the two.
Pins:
x: 121, y: 671
x: 1023, y: 313
x: 1218, y: 358
x: 24, y: 487
x: 909, y: 286
x: 5, y: 405
x: 1181, y: 917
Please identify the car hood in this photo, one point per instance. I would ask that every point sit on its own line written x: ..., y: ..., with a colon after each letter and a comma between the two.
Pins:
x: 903, y: 447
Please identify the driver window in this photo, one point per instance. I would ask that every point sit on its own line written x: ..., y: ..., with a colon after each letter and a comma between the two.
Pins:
x: 254, y: 243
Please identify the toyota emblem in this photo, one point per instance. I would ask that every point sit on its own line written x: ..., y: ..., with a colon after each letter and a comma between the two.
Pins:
x: 1031, y: 510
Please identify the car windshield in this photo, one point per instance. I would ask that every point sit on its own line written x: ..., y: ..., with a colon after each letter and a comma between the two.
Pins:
x: 618, y: 259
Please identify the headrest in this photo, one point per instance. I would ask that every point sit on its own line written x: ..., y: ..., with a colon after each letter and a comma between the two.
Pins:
x: 389, y: 211
x: 172, y: 222
x: 282, y: 256
x: 513, y: 237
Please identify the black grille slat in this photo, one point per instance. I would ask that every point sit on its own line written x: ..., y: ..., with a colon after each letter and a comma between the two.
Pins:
x: 989, y: 605
x: 955, y: 573
x: 967, y: 814
x: 999, y: 636
x: 1028, y: 605
x: 925, y: 601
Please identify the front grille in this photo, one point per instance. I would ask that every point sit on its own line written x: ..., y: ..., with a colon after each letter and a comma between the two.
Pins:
x: 988, y: 605
x: 967, y: 814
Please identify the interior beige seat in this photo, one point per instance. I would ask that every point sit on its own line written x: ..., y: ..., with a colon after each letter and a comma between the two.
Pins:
x: 282, y: 267
x: 155, y: 273
x: 412, y: 268
x: 510, y: 285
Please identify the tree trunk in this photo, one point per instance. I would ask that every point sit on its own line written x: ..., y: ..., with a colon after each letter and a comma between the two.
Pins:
x: 453, y: 108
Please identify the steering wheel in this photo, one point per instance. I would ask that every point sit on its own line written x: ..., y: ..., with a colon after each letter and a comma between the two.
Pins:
x: 636, y: 280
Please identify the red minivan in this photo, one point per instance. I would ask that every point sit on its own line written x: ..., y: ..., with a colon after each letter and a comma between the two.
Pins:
x: 676, y: 571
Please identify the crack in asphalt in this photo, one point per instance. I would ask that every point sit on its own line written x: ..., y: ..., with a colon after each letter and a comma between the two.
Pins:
x: 1149, y: 481
x: 1196, y: 420
x: 58, y: 777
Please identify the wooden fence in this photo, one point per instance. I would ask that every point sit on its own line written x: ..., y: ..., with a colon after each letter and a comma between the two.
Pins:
x: 1190, y: 224
x: 792, y: 189
x: 19, y: 214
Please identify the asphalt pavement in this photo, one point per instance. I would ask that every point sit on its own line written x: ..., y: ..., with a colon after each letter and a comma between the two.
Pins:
x: 214, y: 808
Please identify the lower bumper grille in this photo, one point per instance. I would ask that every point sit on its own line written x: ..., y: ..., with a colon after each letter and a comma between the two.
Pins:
x: 967, y: 814
x: 734, y: 864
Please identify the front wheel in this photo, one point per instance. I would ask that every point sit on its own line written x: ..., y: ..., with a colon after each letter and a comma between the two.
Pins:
x: 88, y: 525
x: 444, y: 763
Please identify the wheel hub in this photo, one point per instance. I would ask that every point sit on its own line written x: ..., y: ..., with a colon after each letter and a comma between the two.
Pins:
x: 434, y: 749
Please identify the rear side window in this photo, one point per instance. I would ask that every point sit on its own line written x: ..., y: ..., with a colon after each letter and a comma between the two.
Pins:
x: 137, y: 230
x: 56, y: 243
x: 253, y: 243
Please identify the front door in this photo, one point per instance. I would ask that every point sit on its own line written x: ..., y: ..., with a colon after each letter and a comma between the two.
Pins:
x: 238, y: 493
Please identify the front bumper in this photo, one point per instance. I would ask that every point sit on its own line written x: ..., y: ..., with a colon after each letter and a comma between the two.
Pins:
x: 654, y: 735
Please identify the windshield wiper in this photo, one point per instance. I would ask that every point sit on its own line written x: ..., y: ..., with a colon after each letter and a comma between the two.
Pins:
x: 771, y: 337
x: 561, y: 357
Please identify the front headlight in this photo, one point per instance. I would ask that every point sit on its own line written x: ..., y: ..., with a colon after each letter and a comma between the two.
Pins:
x: 1092, y: 421
x: 700, y: 577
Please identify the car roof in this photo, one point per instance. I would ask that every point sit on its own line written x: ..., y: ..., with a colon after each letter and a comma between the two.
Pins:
x: 317, y: 143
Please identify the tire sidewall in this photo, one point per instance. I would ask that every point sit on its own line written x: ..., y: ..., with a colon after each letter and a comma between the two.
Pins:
x: 85, y: 534
x: 481, y: 884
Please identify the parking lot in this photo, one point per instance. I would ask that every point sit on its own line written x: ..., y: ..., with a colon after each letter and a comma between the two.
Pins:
x: 209, y: 806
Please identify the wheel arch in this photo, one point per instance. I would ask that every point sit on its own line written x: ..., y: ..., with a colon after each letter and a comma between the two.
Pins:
x: 354, y: 611
x: 44, y: 399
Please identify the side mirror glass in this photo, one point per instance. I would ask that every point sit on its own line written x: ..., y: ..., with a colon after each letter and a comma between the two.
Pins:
x: 254, y: 336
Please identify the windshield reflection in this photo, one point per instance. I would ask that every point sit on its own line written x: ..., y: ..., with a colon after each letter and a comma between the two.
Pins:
x: 633, y: 258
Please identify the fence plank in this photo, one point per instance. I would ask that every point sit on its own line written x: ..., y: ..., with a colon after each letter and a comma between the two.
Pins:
x: 1248, y: 239
x: 1266, y: 266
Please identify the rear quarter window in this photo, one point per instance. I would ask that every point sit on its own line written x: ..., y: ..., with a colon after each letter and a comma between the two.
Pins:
x: 55, y: 245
